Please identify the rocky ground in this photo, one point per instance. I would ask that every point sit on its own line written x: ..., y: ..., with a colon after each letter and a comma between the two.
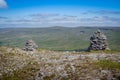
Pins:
x: 16, y: 64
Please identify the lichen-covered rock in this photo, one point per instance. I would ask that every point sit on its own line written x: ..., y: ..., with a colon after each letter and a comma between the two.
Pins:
x: 30, y: 45
x: 98, y: 41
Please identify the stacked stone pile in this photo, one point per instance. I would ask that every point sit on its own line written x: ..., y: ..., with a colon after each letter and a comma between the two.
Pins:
x: 98, y: 41
x: 30, y: 45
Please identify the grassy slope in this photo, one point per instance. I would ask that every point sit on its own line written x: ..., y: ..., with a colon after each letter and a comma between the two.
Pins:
x: 57, y: 38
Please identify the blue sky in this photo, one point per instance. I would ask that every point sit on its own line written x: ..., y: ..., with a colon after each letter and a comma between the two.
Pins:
x: 69, y: 13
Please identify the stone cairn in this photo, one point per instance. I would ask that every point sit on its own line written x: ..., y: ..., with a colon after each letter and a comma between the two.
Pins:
x: 30, y: 45
x: 98, y: 41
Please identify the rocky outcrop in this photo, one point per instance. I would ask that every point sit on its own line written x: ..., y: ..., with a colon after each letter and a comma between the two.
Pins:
x: 30, y: 45
x: 98, y: 41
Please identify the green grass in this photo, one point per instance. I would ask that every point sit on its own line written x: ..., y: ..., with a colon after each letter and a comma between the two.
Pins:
x: 22, y: 74
x: 57, y: 38
x: 103, y: 51
x: 108, y: 64
x: 18, y: 75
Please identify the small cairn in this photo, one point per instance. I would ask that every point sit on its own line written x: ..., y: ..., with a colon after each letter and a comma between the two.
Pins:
x: 30, y: 45
x: 98, y: 41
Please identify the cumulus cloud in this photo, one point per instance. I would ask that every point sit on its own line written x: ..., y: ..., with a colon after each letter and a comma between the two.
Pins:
x: 53, y: 18
x: 102, y: 12
x: 107, y: 12
x: 44, y: 15
x: 101, y: 19
x: 3, y: 4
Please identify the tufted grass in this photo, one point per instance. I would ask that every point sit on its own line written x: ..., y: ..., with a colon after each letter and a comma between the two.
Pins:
x: 108, y: 64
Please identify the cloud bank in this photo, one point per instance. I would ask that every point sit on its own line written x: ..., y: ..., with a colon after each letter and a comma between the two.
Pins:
x: 91, y: 18
x: 3, y: 4
x: 57, y: 19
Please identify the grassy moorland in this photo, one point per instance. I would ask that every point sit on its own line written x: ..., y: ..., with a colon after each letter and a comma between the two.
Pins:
x: 58, y: 38
x: 16, y: 64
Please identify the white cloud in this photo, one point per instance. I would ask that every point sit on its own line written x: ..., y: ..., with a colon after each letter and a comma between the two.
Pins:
x: 48, y: 20
x: 3, y: 4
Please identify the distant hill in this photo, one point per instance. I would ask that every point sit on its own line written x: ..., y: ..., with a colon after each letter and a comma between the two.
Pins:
x: 58, y: 38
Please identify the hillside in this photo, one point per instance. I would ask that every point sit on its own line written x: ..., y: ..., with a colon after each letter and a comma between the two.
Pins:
x: 58, y: 38
x: 16, y: 64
